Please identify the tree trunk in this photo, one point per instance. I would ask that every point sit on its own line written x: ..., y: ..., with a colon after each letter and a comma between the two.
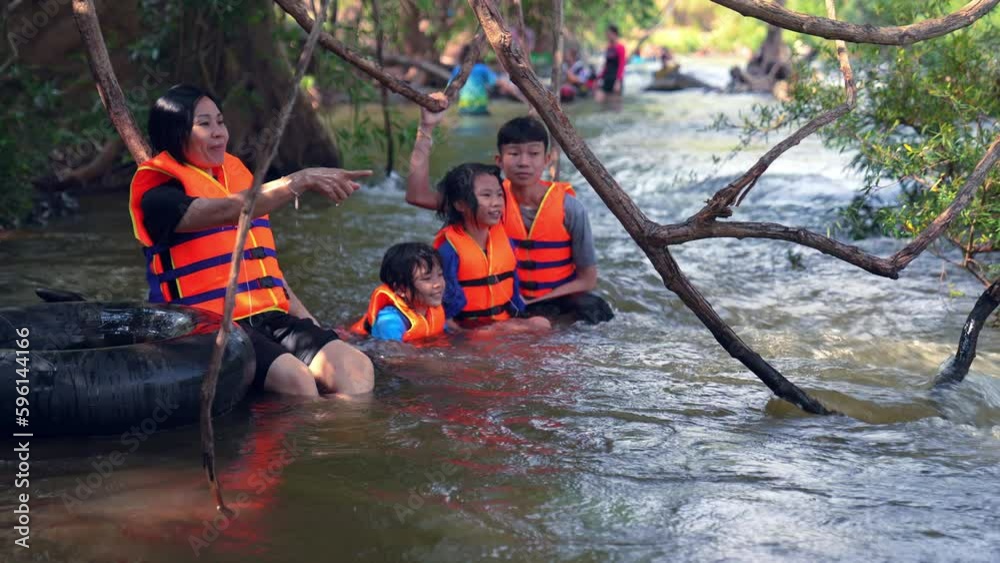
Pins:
x: 241, y: 64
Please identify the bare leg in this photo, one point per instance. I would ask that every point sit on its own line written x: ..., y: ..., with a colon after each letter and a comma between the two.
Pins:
x: 289, y: 376
x: 342, y: 368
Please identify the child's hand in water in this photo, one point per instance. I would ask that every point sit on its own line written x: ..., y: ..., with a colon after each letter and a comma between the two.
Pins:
x: 430, y: 119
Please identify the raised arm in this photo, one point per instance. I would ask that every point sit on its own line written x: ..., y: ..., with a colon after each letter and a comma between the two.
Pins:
x: 419, y: 191
x: 333, y: 183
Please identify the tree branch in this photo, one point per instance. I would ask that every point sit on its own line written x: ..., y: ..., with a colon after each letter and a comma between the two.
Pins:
x: 719, y: 204
x: 107, y: 83
x: 390, y: 156
x: 627, y: 212
x: 455, y: 86
x: 557, y: 75
x: 426, y: 66
x: 687, y: 232
x: 830, y: 28
x: 300, y: 14
x: 957, y: 366
x: 208, y: 384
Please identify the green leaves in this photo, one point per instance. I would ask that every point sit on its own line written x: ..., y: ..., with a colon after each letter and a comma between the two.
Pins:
x: 925, y: 116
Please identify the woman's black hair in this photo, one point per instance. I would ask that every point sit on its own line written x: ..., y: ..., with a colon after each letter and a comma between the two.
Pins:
x: 172, y: 116
x: 458, y: 185
x: 401, y: 260
x: 522, y: 130
x: 614, y: 28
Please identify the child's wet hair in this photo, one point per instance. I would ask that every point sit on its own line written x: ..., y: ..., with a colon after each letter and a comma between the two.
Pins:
x: 458, y: 185
x: 522, y: 130
x: 402, y: 260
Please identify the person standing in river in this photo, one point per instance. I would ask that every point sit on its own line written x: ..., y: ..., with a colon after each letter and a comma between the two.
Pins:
x: 185, y: 203
x: 613, y: 75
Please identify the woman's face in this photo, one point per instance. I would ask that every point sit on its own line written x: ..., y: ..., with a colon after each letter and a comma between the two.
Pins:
x: 206, y: 146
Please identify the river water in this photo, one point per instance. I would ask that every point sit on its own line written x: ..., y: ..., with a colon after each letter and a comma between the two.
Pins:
x: 635, y: 440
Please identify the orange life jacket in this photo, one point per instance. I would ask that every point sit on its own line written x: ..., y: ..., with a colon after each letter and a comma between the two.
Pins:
x: 545, y: 252
x: 194, y: 267
x: 420, y: 326
x: 487, y: 278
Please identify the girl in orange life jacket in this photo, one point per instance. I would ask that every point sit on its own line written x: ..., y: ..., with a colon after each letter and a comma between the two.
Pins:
x: 407, y: 306
x: 479, y: 265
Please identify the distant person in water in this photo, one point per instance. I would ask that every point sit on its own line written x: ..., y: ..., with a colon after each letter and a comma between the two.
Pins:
x: 580, y: 77
x: 480, y: 269
x: 668, y: 65
x: 613, y: 75
x: 474, y: 97
x: 407, y: 306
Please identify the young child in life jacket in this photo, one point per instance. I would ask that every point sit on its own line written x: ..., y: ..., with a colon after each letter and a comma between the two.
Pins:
x: 554, y: 245
x: 480, y: 270
x: 407, y: 306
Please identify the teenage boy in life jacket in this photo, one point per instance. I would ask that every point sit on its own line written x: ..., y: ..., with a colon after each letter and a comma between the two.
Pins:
x: 407, y: 306
x: 546, y: 223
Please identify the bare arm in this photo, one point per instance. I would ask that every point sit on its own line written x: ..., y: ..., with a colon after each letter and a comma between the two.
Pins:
x: 335, y: 184
x: 419, y: 192
x: 586, y: 280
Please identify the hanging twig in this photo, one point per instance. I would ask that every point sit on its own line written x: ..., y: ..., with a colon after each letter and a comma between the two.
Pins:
x: 557, y: 74
x: 209, y: 382
x: 390, y: 156
x: 471, y: 57
x: 107, y: 83
x: 300, y: 14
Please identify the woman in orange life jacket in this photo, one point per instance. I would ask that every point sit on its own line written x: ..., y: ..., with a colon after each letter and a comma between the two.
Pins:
x: 481, y: 286
x: 185, y: 203
x: 548, y: 225
x: 407, y: 306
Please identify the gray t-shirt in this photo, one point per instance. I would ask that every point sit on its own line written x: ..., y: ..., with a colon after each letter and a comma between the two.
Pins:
x: 578, y: 226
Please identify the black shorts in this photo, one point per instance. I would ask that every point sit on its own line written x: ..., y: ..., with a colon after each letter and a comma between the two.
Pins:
x: 586, y: 307
x: 608, y: 84
x: 275, y: 333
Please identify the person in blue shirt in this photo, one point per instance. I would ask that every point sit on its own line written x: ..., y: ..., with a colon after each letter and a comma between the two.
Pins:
x: 407, y: 306
x: 474, y: 97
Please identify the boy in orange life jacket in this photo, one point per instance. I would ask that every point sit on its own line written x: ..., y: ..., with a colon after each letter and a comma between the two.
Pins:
x: 477, y: 258
x: 407, y: 306
x: 545, y: 221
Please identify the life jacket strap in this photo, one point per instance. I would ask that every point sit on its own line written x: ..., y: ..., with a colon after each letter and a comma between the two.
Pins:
x: 529, y: 244
x: 488, y: 280
x: 533, y: 285
x: 479, y: 313
x: 265, y: 282
x: 180, y: 238
x: 536, y: 265
x: 256, y: 253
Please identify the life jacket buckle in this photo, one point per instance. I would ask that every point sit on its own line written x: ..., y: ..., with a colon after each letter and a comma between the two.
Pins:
x: 257, y: 253
x: 492, y: 279
x: 526, y: 244
x: 528, y: 264
x: 267, y: 282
